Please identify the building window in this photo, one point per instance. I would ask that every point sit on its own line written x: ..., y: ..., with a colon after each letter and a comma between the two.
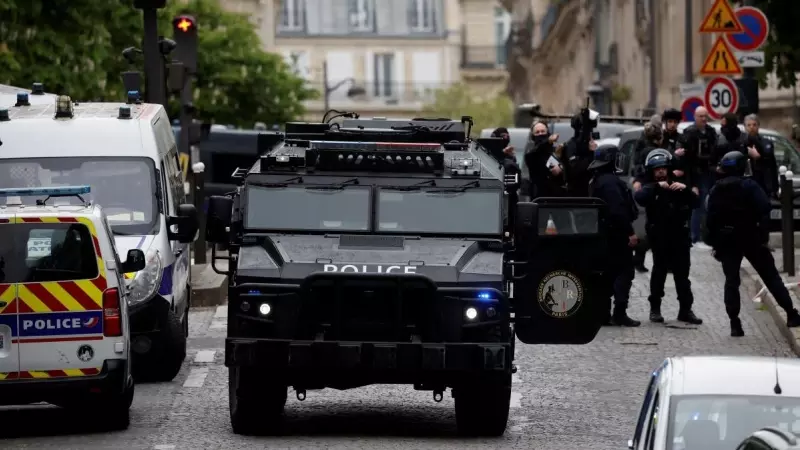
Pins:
x: 422, y: 15
x: 293, y: 15
x: 362, y: 15
x: 384, y: 75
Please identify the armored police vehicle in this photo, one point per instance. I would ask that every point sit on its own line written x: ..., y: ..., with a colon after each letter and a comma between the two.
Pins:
x: 387, y: 252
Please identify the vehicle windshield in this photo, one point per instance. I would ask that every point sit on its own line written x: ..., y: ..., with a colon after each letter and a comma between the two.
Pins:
x: 308, y: 209
x: 785, y: 152
x: 722, y: 422
x: 472, y: 211
x: 124, y: 187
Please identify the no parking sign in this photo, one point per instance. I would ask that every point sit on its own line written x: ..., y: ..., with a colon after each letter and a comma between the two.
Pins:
x: 688, y: 106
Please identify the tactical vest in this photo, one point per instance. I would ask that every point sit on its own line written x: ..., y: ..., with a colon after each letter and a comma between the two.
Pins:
x: 734, y: 212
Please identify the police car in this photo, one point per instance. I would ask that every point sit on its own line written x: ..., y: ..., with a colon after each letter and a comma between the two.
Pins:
x: 770, y: 438
x: 127, y: 153
x: 64, y: 328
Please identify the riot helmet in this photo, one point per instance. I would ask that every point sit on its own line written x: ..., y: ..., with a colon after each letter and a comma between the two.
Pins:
x: 606, y: 158
x: 733, y: 164
x: 658, y: 158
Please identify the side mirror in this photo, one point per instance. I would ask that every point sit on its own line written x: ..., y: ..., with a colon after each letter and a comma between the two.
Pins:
x: 134, y: 262
x: 187, y: 223
x: 220, y: 213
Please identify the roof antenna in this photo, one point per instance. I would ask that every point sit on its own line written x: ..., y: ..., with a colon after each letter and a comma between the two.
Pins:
x: 777, y: 389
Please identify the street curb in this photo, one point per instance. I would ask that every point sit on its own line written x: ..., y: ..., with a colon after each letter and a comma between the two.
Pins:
x: 753, y: 287
x: 208, y: 287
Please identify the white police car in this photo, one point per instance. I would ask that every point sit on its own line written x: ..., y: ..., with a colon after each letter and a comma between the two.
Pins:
x: 128, y: 155
x: 770, y: 438
x: 64, y: 328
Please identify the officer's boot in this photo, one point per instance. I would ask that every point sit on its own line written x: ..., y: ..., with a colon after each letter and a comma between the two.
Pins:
x: 793, y: 319
x: 620, y: 318
x: 736, y: 328
x: 655, y: 310
x: 688, y: 316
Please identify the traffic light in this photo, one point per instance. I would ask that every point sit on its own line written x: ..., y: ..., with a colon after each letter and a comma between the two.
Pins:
x: 184, y: 32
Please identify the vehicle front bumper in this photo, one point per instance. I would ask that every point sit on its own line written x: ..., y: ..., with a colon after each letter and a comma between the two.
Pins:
x: 112, y: 379
x: 303, y: 356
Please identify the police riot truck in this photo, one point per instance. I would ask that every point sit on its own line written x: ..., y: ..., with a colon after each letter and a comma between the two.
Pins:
x: 364, y: 253
x: 127, y: 153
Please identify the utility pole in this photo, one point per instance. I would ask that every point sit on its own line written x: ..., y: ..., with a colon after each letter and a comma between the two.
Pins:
x: 688, y: 75
x: 153, y: 65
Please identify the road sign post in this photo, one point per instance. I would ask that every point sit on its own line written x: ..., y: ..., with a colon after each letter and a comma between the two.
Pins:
x: 688, y: 106
x: 722, y: 97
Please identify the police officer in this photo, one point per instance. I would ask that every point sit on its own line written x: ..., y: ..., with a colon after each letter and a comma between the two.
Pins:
x: 762, y: 156
x: 668, y: 205
x: 738, y: 227
x: 652, y: 139
x: 546, y: 171
x: 701, y: 140
x: 606, y: 185
x: 579, y: 153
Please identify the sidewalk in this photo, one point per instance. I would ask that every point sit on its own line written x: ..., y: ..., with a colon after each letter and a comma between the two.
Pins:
x: 208, y: 287
x: 756, y: 292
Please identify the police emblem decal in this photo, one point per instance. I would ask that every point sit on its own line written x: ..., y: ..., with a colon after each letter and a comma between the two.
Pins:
x: 85, y: 353
x: 560, y: 294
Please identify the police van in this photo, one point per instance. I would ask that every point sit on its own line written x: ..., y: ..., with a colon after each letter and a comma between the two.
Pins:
x: 128, y: 155
x: 64, y: 329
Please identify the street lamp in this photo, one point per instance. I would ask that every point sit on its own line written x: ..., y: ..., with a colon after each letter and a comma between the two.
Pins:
x: 353, y: 91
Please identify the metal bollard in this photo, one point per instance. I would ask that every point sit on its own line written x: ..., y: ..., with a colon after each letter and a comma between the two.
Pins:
x: 787, y: 219
x: 198, y: 173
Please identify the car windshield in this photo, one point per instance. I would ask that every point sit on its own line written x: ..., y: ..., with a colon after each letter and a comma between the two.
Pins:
x: 722, y: 422
x: 785, y: 152
x: 307, y: 208
x: 124, y: 187
x: 439, y: 211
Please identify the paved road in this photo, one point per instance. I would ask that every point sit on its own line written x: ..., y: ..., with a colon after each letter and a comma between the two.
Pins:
x: 565, y: 397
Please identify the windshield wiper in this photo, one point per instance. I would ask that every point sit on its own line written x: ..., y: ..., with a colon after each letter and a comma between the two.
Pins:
x: 410, y: 187
x: 333, y: 186
x: 280, y: 184
x: 462, y: 188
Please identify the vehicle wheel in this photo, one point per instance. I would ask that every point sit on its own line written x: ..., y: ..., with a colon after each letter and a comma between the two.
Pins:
x: 170, y: 349
x: 482, y: 406
x: 256, y: 404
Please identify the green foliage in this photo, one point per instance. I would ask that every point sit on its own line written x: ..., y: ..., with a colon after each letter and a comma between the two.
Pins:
x: 74, y: 47
x: 783, y: 45
x: 459, y: 100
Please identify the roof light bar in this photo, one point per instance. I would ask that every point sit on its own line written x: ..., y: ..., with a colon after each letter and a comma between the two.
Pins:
x: 64, y: 191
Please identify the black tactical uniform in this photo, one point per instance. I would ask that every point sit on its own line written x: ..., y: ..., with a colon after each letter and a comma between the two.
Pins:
x: 673, y: 139
x: 738, y: 218
x: 606, y: 185
x: 731, y: 139
x: 765, y: 168
x: 668, y: 205
x: 652, y: 137
x: 578, y: 157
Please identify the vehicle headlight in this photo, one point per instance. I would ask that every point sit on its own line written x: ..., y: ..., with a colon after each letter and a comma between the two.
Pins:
x: 145, y: 285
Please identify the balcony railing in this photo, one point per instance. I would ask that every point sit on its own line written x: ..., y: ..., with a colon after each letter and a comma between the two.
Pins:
x: 373, y: 18
x: 383, y: 92
x: 484, y: 57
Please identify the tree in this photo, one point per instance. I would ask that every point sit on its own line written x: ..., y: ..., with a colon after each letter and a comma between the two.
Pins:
x: 74, y: 47
x: 782, y: 51
x: 459, y: 100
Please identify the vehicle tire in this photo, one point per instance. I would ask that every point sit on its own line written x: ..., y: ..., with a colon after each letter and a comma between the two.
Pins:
x: 114, y: 409
x: 256, y: 403
x: 170, y: 349
x: 482, y: 406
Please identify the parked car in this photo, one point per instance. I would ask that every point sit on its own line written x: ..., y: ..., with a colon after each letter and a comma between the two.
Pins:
x: 714, y: 402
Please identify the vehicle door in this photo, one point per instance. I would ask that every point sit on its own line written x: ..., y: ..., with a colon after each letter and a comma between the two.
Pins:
x: 176, y: 273
x: 9, y: 317
x: 559, y: 256
x: 60, y: 298
x: 642, y: 421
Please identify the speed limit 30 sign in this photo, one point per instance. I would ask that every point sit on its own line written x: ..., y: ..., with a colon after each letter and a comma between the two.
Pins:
x: 722, y: 97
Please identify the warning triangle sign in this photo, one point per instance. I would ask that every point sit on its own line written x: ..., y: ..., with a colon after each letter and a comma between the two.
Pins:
x: 721, y: 60
x: 721, y: 19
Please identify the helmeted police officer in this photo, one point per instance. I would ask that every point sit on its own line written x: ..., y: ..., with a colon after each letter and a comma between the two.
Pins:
x: 668, y: 205
x: 606, y: 185
x: 737, y: 221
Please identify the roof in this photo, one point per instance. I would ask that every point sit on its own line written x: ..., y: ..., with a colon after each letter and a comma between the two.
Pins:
x: 734, y: 375
x: 8, y: 96
x: 34, y: 132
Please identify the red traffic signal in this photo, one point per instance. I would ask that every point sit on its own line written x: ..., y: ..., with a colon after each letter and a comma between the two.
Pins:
x: 184, y: 23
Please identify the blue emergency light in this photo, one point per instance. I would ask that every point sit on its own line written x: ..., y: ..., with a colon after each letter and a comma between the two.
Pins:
x: 22, y: 99
x: 64, y: 191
